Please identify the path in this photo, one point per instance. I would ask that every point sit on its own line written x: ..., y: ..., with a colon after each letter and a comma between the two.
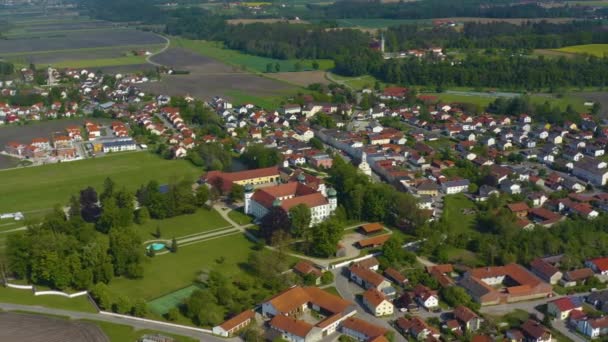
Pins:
x: 167, y: 45
x: 136, y: 324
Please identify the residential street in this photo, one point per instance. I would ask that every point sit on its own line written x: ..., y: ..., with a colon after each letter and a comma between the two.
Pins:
x: 138, y: 325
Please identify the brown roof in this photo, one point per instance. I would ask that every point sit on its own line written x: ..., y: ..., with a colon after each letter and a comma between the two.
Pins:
x: 305, y: 267
x: 291, y: 325
x: 372, y: 227
x: 367, y: 275
x: 517, y: 207
x: 373, y: 297
x: 229, y: 177
x: 374, y: 241
x: 299, y: 193
x: 534, y: 329
x: 295, y: 297
x: 580, y: 274
x: 516, y: 272
x: 464, y: 314
x: 365, y: 328
x: 237, y: 320
x: 543, y: 268
x: 395, y: 275
x: 369, y: 262
x: 481, y: 338
x: 443, y: 268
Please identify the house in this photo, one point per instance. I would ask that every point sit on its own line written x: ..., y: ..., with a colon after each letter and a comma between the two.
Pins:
x: 510, y: 187
x: 468, y: 319
x: 395, y: 276
x: 416, y: 328
x: 369, y: 263
x: 234, y: 324
x: 561, y: 308
x: 362, y: 330
x: 308, y: 270
x: 599, y: 299
x: 257, y: 178
x: 455, y: 186
x: 426, y: 297
x: 546, y: 271
x: 287, y: 306
x: 598, y: 265
x: 428, y: 188
x: 576, y: 277
x: 593, y: 327
x: 367, y: 278
x: 519, y: 209
x: 535, y: 332
x: 376, y: 303
x: 591, y: 170
x: 372, y: 228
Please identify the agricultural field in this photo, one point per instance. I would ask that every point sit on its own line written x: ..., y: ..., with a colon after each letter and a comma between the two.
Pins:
x: 40, y: 188
x: 26, y: 327
x: 241, y: 60
x: 208, y: 77
x: 265, y: 21
x: 74, y: 41
x: 356, y: 83
x: 303, y: 78
x: 598, y: 50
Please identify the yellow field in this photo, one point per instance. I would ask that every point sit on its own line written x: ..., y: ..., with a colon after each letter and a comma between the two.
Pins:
x: 598, y: 50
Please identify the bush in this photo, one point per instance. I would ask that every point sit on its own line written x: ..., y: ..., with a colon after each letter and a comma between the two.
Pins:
x: 327, y: 278
x: 172, y: 314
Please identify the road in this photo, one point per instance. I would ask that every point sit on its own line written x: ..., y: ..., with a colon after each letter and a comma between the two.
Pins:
x: 138, y: 325
x: 167, y: 45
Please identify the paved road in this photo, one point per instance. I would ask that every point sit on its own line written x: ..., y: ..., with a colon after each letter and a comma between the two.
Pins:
x: 167, y: 45
x: 138, y: 325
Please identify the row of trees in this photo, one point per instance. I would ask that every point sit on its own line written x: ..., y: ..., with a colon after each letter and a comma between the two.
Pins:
x: 172, y: 199
x: 484, y: 71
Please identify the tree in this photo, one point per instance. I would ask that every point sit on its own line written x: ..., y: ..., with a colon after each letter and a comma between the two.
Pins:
x: 157, y: 232
x: 110, y: 216
x: 139, y: 308
x: 298, y: 66
x: 269, y: 67
x: 327, y: 278
x: 277, y: 67
x: 276, y: 219
x: 300, y: 219
x: 127, y: 252
x: 174, y: 245
x: 456, y: 296
x: 88, y: 204
x: 202, y: 195
x: 142, y: 215
x: 237, y: 192
x: 101, y: 293
x: 258, y: 156
x: 315, y: 65
x: 172, y: 314
x: 108, y: 189
x: 74, y: 205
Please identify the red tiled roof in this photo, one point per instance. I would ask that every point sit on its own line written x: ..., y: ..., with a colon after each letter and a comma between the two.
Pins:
x: 374, y: 241
x: 372, y: 227
x: 305, y: 267
x: 517, y: 207
x: 237, y: 320
x: 363, y: 327
x: 295, y: 297
x: 580, y: 274
x: 600, y: 263
x: 544, y: 268
x: 464, y: 314
x: 367, y: 275
x: 373, y: 297
x: 564, y: 304
x: 291, y: 325
x: 395, y: 275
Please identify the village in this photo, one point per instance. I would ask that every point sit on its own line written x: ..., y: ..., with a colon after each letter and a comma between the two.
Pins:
x: 550, y: 173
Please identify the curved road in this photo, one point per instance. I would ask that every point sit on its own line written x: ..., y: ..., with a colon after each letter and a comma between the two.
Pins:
x: 167, y: 45
x: 137, y: 325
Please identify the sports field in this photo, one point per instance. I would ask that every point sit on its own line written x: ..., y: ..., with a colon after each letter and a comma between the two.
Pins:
x: 164, y: 274
x: 162, y: 305
x: 217, y: 51
x: 42, y: 187
x: 598, y: 50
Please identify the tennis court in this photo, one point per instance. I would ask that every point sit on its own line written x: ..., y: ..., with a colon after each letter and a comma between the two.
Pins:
x: 163, y: 304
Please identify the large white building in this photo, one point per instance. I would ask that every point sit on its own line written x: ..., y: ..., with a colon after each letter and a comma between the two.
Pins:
x: 258, y: 203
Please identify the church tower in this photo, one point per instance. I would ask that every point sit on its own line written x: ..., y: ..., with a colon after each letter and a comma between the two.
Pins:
x: 333, y: 199
x: 248, y: 195
x: 364, y: 166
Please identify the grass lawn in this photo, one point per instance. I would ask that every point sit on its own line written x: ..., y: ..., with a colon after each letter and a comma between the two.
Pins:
x: 9, y: 224
x: 217, y: 51
x: 599, y: 50
x: 166, y: 273
x: 26, y: 297
x: 462, y: 256
x: 482, y: 101
x: 357, y: 83
x: 239, y: 217
x: 333, y: 290
x: 453, y: 213
x: 42, y: 187
x: 121, y: 333
x: 201, y: 221
x: 266, y: 102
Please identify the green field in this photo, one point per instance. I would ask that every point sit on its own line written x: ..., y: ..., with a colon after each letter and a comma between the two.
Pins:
x: 201, y: 221
x: 239, y: 217
x: 122, y: 333
x: 41, y: 187
x: 166, y: 273
x: 598, y: 50
x: 357, y: 83
x: 378, y: 23
x: 26, y: 297
x: 216, y: 51
x: 457, y: 221
x: 267, y: 102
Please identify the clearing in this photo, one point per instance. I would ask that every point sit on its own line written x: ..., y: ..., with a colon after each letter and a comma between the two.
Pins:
x: 302, y: 78
x: 41, y: 187
x: 598, y: 50
x: 459, y: 213
x: 203, y: 220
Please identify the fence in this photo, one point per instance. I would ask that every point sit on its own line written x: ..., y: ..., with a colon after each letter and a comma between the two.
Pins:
x: 348, y: 262
x: 45, y: 293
